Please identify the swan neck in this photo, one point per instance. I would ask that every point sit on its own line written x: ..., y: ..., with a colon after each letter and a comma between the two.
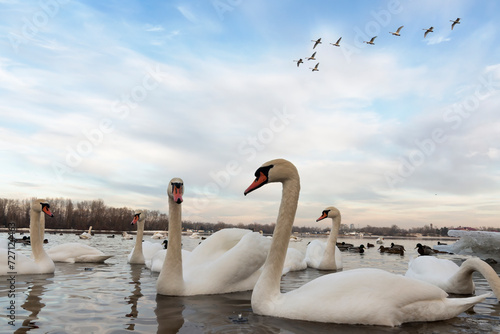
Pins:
x: 139, y: 237
x: 331, y: 242
x: 269, y: 281
x: 170, y: 280
x: 476, y: 264
x: 37, y: 222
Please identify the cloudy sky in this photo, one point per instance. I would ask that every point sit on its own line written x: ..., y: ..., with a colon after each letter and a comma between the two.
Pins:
x: 112, y: 99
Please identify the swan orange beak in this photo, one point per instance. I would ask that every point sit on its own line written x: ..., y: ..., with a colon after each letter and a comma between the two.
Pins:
x: 45, y: 208
x: 259, y: 182
x: 135, y: 220
x: 177, y: 195
x: 323, y: 216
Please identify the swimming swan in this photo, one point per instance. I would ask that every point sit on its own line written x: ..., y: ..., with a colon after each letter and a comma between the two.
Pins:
x: 86, y: 235
x: 143, y: 250
x: 40, y: 263
x: 227, y: 261
x: 450, y: 277
x: 73, y: 252
x: 295, y: 260
x: 361, y: 296
x: 326, y: 255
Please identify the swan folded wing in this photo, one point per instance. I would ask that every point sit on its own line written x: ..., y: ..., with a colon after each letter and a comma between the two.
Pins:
x: 156, y: 262
x: 216, y: 245
x: 432, y: 270
x: 75, y: 252
x: 370, y: 297
x: 149, y: 249
x: 314, y: 253
x: 294, y: 261
x: 235, y: 270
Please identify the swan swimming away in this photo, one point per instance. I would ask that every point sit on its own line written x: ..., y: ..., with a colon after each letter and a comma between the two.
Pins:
x: 227, y: 261
x: 143, y: 250
x: 361, y: 296
x: 450, y: 277
x: 40, y: 263
x: 86, y: 235
x: 326, y: 255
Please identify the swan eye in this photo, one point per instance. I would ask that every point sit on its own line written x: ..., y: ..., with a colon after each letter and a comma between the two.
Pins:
x: 264, y: 170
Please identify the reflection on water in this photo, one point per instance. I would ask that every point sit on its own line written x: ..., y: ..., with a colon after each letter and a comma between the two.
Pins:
x: 117, y: 297
x: 33, y: 302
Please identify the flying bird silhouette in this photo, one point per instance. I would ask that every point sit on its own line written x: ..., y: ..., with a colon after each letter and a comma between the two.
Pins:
x: 397, y: 31
x: 457, y: 21
x: 316, y: 42
x: 300, y: 61
x: 337, y: 42
x: 312, y: 57
x: 315, y: 68
x: 371, y: 41
x: 431, y: 29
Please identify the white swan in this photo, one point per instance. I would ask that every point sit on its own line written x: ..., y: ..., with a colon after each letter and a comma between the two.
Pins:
x: 40, y: 263
x: 361, y: 296
x: 295, y: 260
x: 126, y: 236
x: 450, y: 277
x: 158, y: 235
x: 156, y: 262
x: 143, y: 250
x: 86, y: 235
x: 227, y: 261
x: 73, y: 252
x: 326, y: 255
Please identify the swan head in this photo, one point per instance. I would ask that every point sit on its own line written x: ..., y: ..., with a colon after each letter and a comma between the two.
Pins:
x: 277, y: 170
x: 41, y: 205
x: 138, y: 216
x: 175, y: 189
x: 329, y: 212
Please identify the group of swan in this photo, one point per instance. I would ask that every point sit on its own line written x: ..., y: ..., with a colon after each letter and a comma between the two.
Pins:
x: 227, y: 261
x: 233, y: 260
x: 341, y: 297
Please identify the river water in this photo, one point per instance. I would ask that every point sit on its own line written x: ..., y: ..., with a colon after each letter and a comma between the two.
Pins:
x: 116, y: 297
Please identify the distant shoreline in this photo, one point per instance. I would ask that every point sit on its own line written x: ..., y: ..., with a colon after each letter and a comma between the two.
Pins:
x: 302, y: 235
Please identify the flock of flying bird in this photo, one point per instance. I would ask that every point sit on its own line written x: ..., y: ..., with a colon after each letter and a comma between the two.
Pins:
x: 370, y: 42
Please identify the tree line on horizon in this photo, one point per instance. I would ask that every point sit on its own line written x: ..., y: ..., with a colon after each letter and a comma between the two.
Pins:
x: 81, y: 215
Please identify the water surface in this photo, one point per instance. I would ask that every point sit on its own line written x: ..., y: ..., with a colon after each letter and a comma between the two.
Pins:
x: 117, y: 297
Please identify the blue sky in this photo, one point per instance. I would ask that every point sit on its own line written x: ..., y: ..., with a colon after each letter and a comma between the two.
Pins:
x: 112, y: 99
